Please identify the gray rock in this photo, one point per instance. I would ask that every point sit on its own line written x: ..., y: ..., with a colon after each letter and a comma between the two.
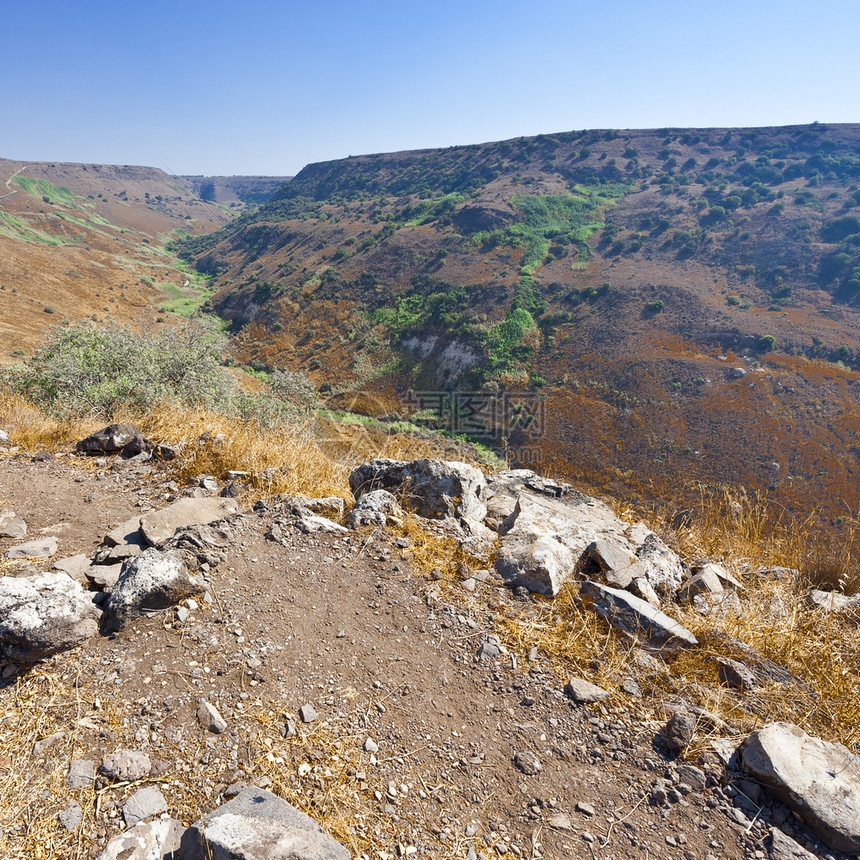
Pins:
x: 110, y: 440
x: 126, y: 765
x: 584, y: 692
x: 783, y: 847
x: 736, y: 674
x: 4, y: 438
x: 777, y: 572
x: 735, y: 372
x: 42, y: 746
x: 308, y: 713
x: 546, y: 526
x: 528, y: 763
x: 833, y: 601
x: 258, y: 825
x: 614, y: 560
x: 817, y: 779
x: 74, y: 565
x: 375, y: 508
x: 160, y: 526
x: 635, y: 617
x: 692, y: 776
x: 154, y: 840
x: 145, y: 803
x: 436, y: 489
x: 704, y: 582
x: 560, y: 821
x: 208, y: 483
x: 82, y: 773
x: 311, y: 524
x: 678, y: 732
x: 371, y: 746
x: 44, y: 614
x: 12, y: 525
x: 71, y: 817
x: 126, y: 532
x: 629, y: 686
x: 150, y: 582
x: 210, y: 719
x: 727, y: 579
x: 136, y: 446
x: 329, y: 506
x: 103, y: 576
x: 41, y: 548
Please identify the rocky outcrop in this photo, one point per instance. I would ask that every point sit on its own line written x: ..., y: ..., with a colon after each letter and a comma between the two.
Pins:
x: 817, y: 779
x: 549, y: 531
x: 43, y: 614
x: 258, y: 825
x: 436, y: 489
x: 150, y: 582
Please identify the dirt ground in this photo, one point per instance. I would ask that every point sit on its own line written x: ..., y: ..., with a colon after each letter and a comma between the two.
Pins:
x: 344, y: 624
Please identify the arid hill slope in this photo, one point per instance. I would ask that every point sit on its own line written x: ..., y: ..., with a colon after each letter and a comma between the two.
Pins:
x: 684, y: 300
x: 86, y: 240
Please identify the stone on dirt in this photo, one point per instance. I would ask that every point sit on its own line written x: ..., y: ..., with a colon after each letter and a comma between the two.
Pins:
x: 150, y: 582
x: 40, y: 548
x: 678, y: 732
x: 155, y: 840
x: 71, y: 816
x: 704, y: 582
x: 783, y: 847
x: 584, y: 692
x: 819, y: 780
x: 528, y: 763
x: 634, y: 616
x: 126, y: 765
x: 159, y: 526
x: 103, y: 576
x: 110, y: 440
x: 44, y: 614
x: 258, y: 825
x: 12, y: 525
x: 210, y: 719
x: 82, y: 773
x: 435, y: 489
x: 74, y: 565
x: 145, y: 803
x: 614, y: 560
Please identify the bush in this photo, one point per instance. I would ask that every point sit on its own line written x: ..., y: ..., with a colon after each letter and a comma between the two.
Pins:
x: 655, y: 306
x: 92, y: 370
x: 765, y: 343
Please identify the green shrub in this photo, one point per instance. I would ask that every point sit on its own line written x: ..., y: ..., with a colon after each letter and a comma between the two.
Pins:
x: 765, y: 343
x: 655, y: 306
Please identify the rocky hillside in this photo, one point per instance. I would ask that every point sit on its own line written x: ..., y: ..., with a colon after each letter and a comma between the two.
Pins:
x: 683, y: 301
x: 391, y: 677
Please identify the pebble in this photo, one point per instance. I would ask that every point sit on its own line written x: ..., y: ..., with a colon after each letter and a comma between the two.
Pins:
x: 82, y: 773
x: 210, y: 719
x: 307, y: 713
x: 585, y: 809
x: 71, y: 817
x: 145, y: 803
x: 371, y: 746
x: 528, y: 763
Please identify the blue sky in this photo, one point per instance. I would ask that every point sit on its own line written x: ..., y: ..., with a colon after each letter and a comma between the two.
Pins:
x: 253, y: 86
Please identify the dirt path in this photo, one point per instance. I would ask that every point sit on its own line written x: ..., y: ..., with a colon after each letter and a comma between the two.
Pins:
x: 413, y: 752
x: 9, y: 182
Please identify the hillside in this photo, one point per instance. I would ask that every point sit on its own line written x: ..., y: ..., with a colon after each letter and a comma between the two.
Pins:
x: 683, y: 302
x: 86, y: 240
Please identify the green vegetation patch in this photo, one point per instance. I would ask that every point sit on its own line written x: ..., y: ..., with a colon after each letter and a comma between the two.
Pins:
x: 17, y: 228
x: 186, y: 300
x: 44, y: 190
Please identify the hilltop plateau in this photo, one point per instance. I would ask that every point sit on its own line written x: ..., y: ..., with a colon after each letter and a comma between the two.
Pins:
x: 682, y: 301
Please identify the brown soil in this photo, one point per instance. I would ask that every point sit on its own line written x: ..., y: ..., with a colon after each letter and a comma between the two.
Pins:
x: 344, y: 624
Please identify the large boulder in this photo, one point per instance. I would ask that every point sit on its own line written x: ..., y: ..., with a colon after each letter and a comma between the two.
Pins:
x: 817, y: 779
x: 549, y: 530
x: 258, y: 825
x: 436, y: 489
x: 110, y: 440
x: 157, y: 527
x: 149, y: 582
x: 43, y: 614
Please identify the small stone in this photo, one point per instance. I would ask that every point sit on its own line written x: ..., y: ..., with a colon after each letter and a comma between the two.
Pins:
x: 126, y: 765
x: 210, y: 719
x: 71, y: 817
x: 585, y: 809
x: 736, y: 674
x: 561, y: 821
x: 528, y: 763
x: 12, y: 525
x: 488, y: 651
x: 584, y: 692
x: 678, y: 732
x: 82, y: 773
x: 143, y: 804
x: 42, y: 746
x: 629, y: 686
x: 307, y: 713
x: 371, y: 746
x: 182, y: 614
x: 534, y: 655
x: 40, y: 548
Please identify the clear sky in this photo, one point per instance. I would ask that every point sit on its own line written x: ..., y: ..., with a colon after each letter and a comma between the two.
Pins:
x: 264, y: 87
